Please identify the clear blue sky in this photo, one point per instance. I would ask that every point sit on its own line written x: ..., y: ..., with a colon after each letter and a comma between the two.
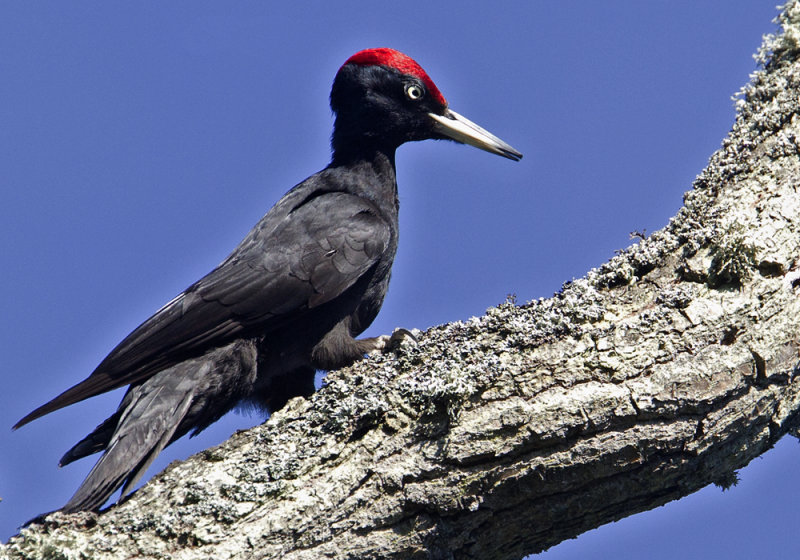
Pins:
x: 139, y: 144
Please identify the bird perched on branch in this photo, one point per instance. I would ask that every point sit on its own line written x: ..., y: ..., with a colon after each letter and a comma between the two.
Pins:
x: 290, y: 299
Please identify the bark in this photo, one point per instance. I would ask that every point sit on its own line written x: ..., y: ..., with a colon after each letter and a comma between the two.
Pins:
x: 662, y: 371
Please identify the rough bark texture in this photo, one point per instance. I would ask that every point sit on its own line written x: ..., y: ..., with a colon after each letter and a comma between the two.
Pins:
x: 662, y: 371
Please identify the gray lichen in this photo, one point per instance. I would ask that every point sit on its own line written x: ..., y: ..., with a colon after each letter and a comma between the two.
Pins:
x: 733, y: 259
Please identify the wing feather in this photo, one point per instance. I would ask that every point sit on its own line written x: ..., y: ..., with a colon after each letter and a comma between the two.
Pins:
x: 289, y: 263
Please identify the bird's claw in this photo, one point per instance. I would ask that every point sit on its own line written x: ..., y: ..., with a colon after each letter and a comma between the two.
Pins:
x: 399, y: 338
x: 404, y: 337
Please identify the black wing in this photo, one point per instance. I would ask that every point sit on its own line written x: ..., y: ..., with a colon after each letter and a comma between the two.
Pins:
x: 288, y: 263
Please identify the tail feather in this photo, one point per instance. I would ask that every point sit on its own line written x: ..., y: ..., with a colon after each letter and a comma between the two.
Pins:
x: 96, y: 441
x: 145, y: 427
x: 166, y: 438
x: 156, y: 412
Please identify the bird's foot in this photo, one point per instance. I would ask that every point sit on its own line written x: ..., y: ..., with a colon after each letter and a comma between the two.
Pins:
x: 398, y: 339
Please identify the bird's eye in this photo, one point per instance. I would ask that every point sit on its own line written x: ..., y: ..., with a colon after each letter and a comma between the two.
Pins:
x: 414, y: 92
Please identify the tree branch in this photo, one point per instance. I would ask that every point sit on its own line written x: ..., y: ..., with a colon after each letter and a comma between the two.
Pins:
x: 664, y: 370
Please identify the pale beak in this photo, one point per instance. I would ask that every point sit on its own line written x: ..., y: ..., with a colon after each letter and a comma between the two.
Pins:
x: 463, y: 130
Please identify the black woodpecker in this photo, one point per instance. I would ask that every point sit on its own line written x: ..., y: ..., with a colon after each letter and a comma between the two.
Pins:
x: 290, y: 299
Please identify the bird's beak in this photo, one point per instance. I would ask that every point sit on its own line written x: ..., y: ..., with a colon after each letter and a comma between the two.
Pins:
x: 463, y: 130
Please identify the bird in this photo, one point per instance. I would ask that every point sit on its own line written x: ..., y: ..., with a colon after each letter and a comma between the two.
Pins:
x: 290, y: 299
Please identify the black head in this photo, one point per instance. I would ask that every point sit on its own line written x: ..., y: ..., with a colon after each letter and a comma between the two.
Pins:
x: 382, y: 98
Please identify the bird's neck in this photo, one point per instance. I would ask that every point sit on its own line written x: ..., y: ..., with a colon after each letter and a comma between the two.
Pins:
x: 368, y: 172
x: 351, y: 146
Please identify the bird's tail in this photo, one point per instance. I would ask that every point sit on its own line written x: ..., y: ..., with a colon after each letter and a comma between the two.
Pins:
x: 145, y: 427
x: 155, y: 413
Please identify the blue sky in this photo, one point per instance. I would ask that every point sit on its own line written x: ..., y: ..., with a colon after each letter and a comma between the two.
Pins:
x: 140, y: 142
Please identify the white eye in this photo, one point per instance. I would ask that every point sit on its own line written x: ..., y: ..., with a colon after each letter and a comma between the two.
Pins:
x: 414, y: 92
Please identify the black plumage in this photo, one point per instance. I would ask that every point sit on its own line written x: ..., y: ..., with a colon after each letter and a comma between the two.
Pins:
x: 290, y: 299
